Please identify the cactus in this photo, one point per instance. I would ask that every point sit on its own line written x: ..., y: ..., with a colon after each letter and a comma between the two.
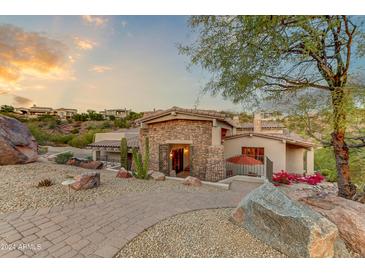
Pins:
x: 141, y: 165
x: 124, y: 153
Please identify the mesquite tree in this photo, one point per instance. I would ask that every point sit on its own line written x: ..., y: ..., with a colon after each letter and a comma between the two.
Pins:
x: 265, y: 57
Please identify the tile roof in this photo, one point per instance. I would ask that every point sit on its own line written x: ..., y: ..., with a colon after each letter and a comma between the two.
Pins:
x: 264, y: 124
x: 132, y: 141
x: 290, y: 138
x: 198, y: 112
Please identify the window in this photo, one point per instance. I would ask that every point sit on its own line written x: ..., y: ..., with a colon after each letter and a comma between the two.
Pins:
x: 223, y: 134
x: 257, y: 153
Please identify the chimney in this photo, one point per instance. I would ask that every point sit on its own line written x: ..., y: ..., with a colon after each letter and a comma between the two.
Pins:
x: 257, y: 122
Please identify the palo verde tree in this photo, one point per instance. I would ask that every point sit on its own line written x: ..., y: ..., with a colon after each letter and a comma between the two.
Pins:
x: 265, y: 57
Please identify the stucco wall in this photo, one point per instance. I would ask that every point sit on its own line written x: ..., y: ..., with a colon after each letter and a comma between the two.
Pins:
x: 310, y: 161
x: 274, y: 149
x: 295, y: 159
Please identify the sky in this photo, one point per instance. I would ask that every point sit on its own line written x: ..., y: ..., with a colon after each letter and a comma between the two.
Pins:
x: 100, y: 62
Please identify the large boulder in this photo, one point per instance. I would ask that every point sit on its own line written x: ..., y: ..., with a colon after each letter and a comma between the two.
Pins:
x: 123, y: 173
x: 17, y: 145
x: 347, y: 215
x: 86, y: 181
x: 158, y: 176
x: 288, y: 226
x: 192, y: 181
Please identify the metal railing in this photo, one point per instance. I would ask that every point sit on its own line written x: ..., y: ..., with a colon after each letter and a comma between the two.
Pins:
x: 245, y: 165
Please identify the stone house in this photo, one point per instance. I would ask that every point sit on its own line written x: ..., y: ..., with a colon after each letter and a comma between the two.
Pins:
x: 200, y: 143
x: 187, y: 142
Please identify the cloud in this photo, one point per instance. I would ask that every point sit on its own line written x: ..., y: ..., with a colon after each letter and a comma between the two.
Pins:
x: 28, y: 53
x: 100, y: 69
x: 97, y: 21
x: 22, y: 101
x: 124, y: 24
x: 84, y: 44
x: 3, y: 92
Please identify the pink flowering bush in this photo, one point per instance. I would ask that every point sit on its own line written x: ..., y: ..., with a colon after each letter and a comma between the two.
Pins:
x: 284, y: 177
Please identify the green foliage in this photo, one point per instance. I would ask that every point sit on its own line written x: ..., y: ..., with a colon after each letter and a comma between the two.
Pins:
x: 82, y: 140
x: 94, y: 116
x: 81, y: 117
x: 324, y: 162
x: 141, y: 165
x: 124, y: 153
x: 75, y: 131
x: 44, y: 138
x: 63, y: 157
x: 6, y: 108
x: 111, y: 117
x: 128, y: 120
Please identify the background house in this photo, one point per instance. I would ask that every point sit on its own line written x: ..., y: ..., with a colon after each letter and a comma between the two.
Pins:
x: 116, y: 113
x: 106, y: 146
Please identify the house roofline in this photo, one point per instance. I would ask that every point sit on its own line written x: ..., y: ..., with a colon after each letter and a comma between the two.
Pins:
x: 192, y: 112
x: 274, y: 137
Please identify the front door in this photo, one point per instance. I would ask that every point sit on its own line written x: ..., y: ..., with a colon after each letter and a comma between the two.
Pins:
x: 177, y: 160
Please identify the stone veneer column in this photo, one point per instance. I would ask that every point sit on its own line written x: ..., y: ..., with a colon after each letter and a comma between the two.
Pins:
x: 216, y: 168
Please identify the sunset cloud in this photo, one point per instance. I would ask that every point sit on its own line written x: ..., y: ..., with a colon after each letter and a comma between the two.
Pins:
x: 22, y: 101
x: 84, y: 44
x: 28, y: 53
x: 97, y: 21
x: 100, y: 69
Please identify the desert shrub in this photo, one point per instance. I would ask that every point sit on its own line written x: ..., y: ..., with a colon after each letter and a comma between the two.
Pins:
x: 63, y: 157
x: 124, y: 153
x: 75, y: 131
x: 141, y: 165
x: 105, y: 125
x: 83, y: 139
x: 42, y: 150
x: 61, y: 138
x: 41, y: 136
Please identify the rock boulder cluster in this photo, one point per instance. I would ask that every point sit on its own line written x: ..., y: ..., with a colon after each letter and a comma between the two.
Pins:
x: 17, y: 145
x: 304, y: 221
x: 86, y: 181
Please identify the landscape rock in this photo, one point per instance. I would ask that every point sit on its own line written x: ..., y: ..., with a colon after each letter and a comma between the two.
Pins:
x: 158, y: 176
x: 123, y: 173
x: 17, y: 145
x: 86, y: 181
x: 85, y: 163
x: 347, y: 215
x: 192, y: 181
x: 172, y: 173
x: 288, y: 226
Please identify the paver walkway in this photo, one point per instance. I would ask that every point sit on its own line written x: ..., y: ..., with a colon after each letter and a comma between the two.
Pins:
x: 99, y: 228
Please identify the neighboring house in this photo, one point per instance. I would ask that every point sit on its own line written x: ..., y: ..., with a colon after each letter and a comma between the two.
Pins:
x: 65, y: 113
x: 36, y: 111
x: 211, y: 146
x: 117, y: 113
x: 187, y: 141
x: 106, y: 146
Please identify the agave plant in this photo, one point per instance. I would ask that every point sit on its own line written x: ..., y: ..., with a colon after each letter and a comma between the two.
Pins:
x: 45, y: 183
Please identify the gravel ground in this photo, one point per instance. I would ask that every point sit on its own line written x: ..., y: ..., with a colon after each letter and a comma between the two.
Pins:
x: 203, y: 233
x: 18, y: 189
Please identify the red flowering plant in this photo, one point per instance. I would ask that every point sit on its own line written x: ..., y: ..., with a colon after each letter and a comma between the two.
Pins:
x: 286, y: 178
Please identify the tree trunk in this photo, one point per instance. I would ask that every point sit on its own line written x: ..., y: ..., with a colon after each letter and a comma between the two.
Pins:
x: 345, y: 188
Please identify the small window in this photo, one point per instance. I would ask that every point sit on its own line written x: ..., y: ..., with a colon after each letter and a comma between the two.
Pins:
x: 257, y: 153
x: 223, y: 134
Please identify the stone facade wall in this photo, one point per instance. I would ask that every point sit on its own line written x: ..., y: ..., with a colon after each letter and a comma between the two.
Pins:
x: 199, y: 133
x: 216, y: 168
